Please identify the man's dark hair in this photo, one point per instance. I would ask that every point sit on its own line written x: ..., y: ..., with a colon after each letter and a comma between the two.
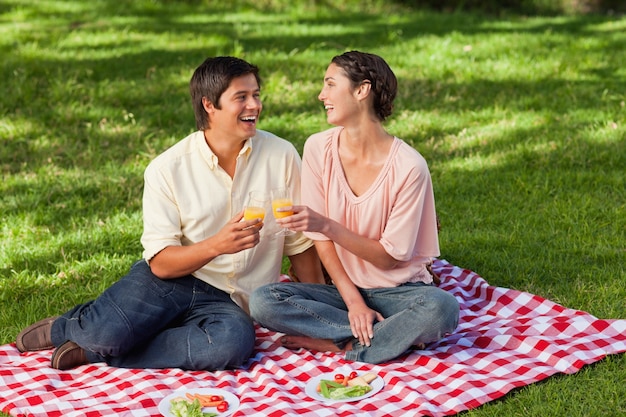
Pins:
x: 212, y: 78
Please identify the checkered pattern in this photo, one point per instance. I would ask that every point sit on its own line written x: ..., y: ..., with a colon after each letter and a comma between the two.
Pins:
x: 505, y: 339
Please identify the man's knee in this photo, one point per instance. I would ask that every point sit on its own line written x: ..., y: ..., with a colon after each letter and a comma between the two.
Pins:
x: 228, y: 348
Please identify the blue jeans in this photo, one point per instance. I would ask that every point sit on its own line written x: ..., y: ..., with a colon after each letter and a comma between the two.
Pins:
x: 414, y: 313
x: 142, y: 321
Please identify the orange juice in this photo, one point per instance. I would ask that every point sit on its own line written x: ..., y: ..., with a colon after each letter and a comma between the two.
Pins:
x: 254, y: 213
x: 282, y: 202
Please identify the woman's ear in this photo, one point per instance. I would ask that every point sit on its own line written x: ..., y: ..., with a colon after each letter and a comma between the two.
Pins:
x: 363, y: 90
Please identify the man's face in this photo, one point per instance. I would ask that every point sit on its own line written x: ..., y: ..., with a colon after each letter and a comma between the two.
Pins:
x: 240, y: 109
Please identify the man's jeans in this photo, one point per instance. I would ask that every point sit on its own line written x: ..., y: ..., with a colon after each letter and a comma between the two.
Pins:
x: 142, y: 321
x: 414, y: 313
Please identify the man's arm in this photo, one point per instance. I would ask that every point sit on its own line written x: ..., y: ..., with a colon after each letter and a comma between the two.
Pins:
x: 178, y: 261
x: 307, y: 267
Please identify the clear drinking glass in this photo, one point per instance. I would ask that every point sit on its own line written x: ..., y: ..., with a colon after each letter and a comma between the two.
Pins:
x: 281, y: 197
x: 255, y: 206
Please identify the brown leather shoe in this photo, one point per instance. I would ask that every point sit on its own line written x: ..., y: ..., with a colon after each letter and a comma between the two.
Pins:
x: 36, y: 336
x: 67, y: 356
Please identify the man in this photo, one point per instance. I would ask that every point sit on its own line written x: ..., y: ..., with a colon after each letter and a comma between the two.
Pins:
x: 185, y: 304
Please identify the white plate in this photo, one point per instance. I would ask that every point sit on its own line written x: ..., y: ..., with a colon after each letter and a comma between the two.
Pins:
x: 311, y: 387
x: 233, y: 401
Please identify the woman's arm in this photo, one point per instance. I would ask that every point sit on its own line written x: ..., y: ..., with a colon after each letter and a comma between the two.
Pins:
x: 307, y: 267
x: 360, y: 315
x: 307, y: 220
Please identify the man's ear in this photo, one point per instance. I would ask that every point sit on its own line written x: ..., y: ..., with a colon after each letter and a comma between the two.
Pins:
x: 208, y: 106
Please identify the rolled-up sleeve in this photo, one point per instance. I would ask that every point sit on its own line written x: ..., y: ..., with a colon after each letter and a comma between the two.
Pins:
x: 161, y: 216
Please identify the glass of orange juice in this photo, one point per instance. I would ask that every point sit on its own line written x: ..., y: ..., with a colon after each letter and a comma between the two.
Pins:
x: 281, y: 197
x: 255, y: 206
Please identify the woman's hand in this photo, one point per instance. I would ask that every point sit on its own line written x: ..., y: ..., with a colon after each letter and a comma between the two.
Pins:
x: 304, y: 219
x: 361, y: 317
x: 362, y: 322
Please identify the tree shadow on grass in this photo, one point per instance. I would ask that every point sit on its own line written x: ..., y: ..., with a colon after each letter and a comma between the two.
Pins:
x: 93, y: 103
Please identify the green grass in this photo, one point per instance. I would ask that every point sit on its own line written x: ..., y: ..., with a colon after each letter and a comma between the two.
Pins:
x: 522, y: 120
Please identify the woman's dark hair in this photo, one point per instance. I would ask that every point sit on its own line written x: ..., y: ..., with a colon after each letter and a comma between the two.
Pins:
x: 361, y: 67
x: 212, y: 78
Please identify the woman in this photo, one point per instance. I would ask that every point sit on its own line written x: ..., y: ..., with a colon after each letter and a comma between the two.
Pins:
x: 368, y: 204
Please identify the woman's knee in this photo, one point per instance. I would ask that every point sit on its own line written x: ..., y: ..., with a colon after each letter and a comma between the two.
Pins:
x: 261, y: 303
x: 448, y: 310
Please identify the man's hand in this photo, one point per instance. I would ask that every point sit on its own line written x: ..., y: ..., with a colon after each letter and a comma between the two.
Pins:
x: 238, y: 235
x: 235, y: 236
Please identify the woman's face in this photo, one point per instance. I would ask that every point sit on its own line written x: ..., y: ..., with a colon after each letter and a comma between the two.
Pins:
x: 338, y: 96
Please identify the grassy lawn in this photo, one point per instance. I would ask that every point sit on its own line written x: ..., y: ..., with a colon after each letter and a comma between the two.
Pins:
x: 522, y: 120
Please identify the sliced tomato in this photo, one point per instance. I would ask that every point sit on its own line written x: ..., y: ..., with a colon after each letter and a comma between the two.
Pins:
x: 223, y: 406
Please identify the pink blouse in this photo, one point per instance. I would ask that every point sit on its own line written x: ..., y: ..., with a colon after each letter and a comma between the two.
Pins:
x: 398, y: 209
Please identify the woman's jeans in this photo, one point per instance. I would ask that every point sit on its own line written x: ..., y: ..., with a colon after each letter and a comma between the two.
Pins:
x: 142, y: 321
x: 414, y: 313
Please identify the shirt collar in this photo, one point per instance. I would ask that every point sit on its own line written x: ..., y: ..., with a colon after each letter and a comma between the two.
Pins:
x: 247, y: 147
x: 212, y: 160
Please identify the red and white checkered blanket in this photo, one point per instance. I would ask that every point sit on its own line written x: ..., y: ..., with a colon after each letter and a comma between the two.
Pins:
x: 505, y: 339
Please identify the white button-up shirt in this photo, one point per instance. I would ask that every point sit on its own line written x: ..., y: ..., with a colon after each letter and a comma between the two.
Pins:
x: 188, y: 197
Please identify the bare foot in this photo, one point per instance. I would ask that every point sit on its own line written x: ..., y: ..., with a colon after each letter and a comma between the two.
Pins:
x: 321, y: 345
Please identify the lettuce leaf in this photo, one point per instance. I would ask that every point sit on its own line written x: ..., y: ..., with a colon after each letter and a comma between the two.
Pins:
x: 349, y: 392
x: 335, y: 391
x: 183, y: 408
